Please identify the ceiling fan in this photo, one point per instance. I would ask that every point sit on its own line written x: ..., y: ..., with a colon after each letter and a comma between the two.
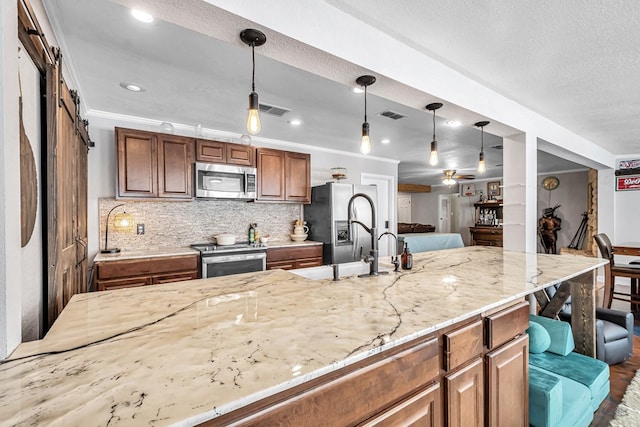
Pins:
x: 451, y: 178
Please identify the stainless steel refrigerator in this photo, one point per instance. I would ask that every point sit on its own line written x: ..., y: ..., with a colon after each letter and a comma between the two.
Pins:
x: 327, y: 216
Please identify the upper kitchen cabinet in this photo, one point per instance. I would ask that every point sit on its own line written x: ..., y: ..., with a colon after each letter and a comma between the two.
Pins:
x: 225, y: 152
x: 154, y: 165
x: 283, y: 176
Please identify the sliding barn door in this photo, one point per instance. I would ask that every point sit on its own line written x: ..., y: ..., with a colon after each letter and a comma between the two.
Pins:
x: 66, y: 197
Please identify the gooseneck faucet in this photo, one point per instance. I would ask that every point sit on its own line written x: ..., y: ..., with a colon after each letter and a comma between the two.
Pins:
x: 394, y: 258
x: 373, y: 259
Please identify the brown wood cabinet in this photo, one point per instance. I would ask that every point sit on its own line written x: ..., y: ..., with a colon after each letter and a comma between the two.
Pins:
x: 146, y: 271
x: 225, y: 152
x: 283, y: 176
x: 154, y: 165
x: 486, y: 236
x: 288, y: 258
x: 453, y: 374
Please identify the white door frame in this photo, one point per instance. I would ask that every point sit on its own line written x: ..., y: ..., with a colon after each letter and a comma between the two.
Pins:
x: 392, y: 208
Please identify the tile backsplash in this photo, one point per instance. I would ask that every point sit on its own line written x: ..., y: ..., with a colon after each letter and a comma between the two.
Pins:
x: 179, y: 224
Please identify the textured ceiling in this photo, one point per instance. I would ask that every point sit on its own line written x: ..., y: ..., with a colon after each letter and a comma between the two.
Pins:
x: 197, y: 71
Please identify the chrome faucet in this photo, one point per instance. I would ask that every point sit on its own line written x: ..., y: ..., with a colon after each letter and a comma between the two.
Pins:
x: 394, y: 259
x: 372, y: 259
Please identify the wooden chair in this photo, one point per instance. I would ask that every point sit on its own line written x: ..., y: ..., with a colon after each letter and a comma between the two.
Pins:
x: 613, y: 270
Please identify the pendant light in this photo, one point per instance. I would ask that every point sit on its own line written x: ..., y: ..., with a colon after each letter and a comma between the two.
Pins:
x: 433, y: 157
x: 482, y: 166
x: 365, y: 143
x: 253, y: 38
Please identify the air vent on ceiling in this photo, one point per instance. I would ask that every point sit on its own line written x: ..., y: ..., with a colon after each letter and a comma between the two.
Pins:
x: 273, y: 110
x: 392, y: 114
x: 498, y: 147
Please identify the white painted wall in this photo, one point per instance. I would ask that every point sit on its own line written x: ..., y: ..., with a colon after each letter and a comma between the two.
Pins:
x: 31, y: 254
x: 10, y: 253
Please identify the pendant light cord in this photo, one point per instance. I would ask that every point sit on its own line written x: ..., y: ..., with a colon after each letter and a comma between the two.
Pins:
x: 482, y: 139
x: 253, y: 69
x: 434, y: 125
x: 365, y: 104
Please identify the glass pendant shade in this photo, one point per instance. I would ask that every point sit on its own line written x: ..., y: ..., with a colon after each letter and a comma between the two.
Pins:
x: 482, y: 166
x: 365, y: 143
x: 433, y: 157
x: 449, y: 181
x: 253, y: 119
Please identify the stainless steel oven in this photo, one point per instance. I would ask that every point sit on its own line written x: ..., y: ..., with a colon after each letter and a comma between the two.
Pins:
x: 219, y: 260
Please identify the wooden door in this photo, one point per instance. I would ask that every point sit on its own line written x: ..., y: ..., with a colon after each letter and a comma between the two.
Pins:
x: 137, y: 163
x: 508, y: 384
x: 464, y: 392
x: 82, y: 177
x: 271, y: 183
x: 421, y: 410
x: 175, y: 166
x: 66, y: 196
x: 298, y: 177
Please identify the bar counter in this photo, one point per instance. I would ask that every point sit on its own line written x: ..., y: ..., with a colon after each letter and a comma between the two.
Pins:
x: 183, y: 353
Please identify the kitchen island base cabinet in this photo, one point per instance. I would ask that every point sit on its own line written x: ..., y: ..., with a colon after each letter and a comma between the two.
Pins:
x: 473, y: 373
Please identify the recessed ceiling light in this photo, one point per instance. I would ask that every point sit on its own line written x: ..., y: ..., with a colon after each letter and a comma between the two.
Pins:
x: 357, y: 90
x: 385, y: 141
x: 452, y: 123
x: 141, y: 16
x: 132, y: 87
x: 295, y: 122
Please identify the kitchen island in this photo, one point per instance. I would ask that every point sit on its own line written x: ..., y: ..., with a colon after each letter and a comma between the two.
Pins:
x: 184, y: 353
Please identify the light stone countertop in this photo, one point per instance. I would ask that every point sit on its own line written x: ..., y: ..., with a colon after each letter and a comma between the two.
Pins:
x: 151, y: 253
x: 186, y: 352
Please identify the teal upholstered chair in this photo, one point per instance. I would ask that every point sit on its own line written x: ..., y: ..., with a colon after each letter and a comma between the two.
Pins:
x: 565, y: 388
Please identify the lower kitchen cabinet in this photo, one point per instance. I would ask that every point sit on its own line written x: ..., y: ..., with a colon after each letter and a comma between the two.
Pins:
x: 464, y: 391
x: 473, y: 373
x: 130, y: 273
x: 292, y: 257
x: 486, y: 236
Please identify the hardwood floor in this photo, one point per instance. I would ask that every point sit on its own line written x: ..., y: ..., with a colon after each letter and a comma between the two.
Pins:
x: 620, y: 377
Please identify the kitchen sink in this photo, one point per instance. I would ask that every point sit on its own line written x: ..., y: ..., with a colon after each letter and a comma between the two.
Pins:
x: 348, y: 269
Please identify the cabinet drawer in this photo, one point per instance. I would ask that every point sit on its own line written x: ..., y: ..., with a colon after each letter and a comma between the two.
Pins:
x: 358, y: 395
x: 175, y: 277
x: 462, y: 345
x: 109, y: 285
x: 284, y: 265
x: 309, y: 262
x: 148, y: 266
x: 294, y: 253
x: 507, y: 324
x: 423, y: 409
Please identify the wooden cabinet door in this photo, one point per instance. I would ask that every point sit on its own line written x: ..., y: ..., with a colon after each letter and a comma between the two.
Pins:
x: 464, y: 393
x: 242, y: 155
x: 211, y: 151
x: 109, y: 285
x: 507, y: 380
x: 271, y: 173
x: 298, y: 177
x: 175, y: 166
x: 422, y: 410
x: 137, y: 163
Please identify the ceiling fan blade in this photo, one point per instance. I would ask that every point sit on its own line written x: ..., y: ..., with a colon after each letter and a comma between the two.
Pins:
x: 464, y: 177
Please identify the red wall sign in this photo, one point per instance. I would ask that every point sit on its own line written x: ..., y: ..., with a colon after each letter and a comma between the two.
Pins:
x: 628, y: 182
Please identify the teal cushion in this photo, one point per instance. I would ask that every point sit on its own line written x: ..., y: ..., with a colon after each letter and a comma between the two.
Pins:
x: 588, y: 371
x: 557, y: 401
x: 560, y: 332
x: 539, y: 338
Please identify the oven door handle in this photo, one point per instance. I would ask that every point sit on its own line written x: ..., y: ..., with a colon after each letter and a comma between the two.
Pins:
x: 217, y: 259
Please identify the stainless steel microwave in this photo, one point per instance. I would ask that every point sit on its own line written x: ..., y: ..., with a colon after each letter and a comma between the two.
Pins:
x: 217, y: 181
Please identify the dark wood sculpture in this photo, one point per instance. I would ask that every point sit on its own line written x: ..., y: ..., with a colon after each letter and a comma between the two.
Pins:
x: 548, y: 226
